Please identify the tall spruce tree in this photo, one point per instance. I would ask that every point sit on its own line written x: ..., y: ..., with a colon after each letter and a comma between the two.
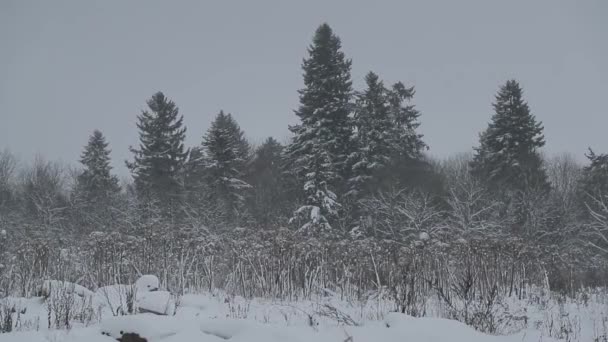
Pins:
x: 321, y: 143
x: 595, y: 178
x: 409, y: 168
x: 406, y: 142
x: 508, y: 156
x: 96, y: 191
x: 385, y: 135
x: 8, y: 165
x: 157, y: 165
x: 226, y: 155
x: 96, y: 182
x: 371, y: 138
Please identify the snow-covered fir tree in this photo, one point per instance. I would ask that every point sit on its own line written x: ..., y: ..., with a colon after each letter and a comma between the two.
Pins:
x: 594, y: 183
x: 385, y: 133
x: 96, y: 181
x: 96, y: 192
x: 508, y: 156
x: 372, y: 124
x: 405, y: 141
x: 321, y: 143
x: 226, y: 155
x: 157, y: 165
x: 8, y: 164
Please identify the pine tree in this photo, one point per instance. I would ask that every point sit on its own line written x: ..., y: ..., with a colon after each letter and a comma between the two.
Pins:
x: 508, y: 156
x: 226, y: 155
x: 321, y: 143
x: 158, y: 163
x: 265, y: 174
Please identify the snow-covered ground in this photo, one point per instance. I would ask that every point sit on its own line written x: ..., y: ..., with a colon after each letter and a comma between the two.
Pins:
x: 72, y: 313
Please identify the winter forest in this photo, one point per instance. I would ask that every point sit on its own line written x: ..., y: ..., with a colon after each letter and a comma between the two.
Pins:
x: 348, y: 221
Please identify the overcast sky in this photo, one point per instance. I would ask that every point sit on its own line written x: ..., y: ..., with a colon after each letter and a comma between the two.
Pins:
x: 69, y: 67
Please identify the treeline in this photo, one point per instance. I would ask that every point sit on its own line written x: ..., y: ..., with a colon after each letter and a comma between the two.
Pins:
x: 354, y: 173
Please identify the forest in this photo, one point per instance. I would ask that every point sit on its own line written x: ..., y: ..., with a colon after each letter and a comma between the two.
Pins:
x: 352, y: 204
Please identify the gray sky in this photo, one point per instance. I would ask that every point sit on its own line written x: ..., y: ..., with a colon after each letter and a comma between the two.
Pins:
x: 69, y: 67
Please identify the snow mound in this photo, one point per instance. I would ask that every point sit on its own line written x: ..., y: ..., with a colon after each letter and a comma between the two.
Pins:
x: 199, y: 302
x: 395, y: 328
x: 147, y: 283
x: 51, y: 287
x: 113, y: 297
x: 22, y: 305
x: 426, y: 329
x: 158, y: 302
x: 143, y: 294
x: 400, y: 326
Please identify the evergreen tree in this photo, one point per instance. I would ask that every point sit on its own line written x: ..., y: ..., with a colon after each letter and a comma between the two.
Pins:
x: 595, y: 177
x: 96, y: 190
x: 158, y: 163
x: 268, y: 202
x: 385, y: 135
x: 226, y: 156
x: 406, y: 143
x: 508, y: 156
x: 409, y: 168
x: 508, y: 160
x: 321, y: 142
x: 96, y: 183
x: 371, y: 138
x: 8, y: 164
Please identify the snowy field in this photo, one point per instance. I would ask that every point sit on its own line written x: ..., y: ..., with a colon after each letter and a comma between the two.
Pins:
x: 68, y: 312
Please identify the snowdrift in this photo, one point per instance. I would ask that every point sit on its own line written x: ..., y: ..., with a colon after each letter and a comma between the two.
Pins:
x: 394, y: 328
x: 162, y: 317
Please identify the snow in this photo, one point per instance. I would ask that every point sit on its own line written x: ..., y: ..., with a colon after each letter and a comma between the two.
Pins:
x: 192, y: 335
x: 113, y: 297
x: 147, y: 298
x: 27, y: 336
x: 158, y: 302
x: 218, y: 316
x: 394, y: 328
x: 315, y: 214
x: 196, y: 302
x: 50, y: 286
x: 229, y: 328
x: 147, y: 283
x: 145, y: 325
